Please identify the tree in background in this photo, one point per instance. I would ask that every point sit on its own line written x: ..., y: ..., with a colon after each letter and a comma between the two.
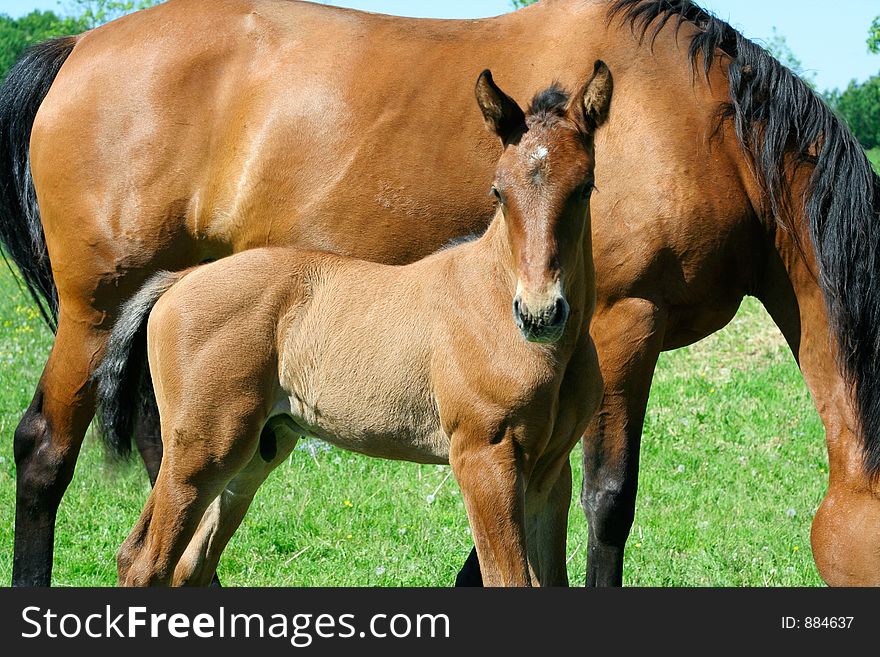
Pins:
x: 17, y: 34
x: 874, y: 36
x: 874, y: 46
x: 859, y: 105
x: 97, y: 12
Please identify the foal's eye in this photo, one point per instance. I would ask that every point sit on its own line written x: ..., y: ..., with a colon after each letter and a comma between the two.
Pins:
x: 587, y: 190
x: 497, y: 194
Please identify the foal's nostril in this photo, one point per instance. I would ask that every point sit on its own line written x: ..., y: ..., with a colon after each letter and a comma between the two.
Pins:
x: 517, y: 311
x: 559, y: 314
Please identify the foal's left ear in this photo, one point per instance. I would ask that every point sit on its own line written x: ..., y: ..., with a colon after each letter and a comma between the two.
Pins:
x: 594, y: 98
x: 501, y: 113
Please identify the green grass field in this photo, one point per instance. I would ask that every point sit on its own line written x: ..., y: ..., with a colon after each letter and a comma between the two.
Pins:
x: 733, y: 469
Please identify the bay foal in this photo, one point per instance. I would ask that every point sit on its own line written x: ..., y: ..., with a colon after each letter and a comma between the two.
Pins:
x: 479, y: 356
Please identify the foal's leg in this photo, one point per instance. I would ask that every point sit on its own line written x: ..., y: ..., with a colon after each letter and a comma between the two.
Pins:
x: 492, y: 487
x: 47, y: 444
x: 547, y: 502
x: 548, y: 496
x: 148, y: 439
x: 223, y: 517
x: 629, y: 340
x: 169, y: 519
x: 195, y: 469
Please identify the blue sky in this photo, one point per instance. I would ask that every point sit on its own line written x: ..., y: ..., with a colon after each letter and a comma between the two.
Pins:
x: 828, y: 37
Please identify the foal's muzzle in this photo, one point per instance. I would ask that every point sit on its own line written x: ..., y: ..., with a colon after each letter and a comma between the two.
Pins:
x: 541, y: 324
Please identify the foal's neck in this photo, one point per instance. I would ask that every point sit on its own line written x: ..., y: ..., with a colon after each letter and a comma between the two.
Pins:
x: 495, y: 244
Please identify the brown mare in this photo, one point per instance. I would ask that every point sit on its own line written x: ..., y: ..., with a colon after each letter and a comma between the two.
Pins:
x: 196, y: 129
x: 479, y: 356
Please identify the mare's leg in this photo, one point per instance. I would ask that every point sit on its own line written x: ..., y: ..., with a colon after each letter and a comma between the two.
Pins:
x: 223, y: 517
x: 148, y: 439
x: 629, y: 338
x: 196, y: 468
x: 470, y: 574
x: 49, y: 436
x: 845, y: 535
x: 846, y: 529
x: 491, y: 482
x: 47, y: 443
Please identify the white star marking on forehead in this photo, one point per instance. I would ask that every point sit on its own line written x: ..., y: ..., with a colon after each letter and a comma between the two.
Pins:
x: 538, y: 163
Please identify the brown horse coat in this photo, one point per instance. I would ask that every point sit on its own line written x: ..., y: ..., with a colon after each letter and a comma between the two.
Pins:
x: 193, y: 130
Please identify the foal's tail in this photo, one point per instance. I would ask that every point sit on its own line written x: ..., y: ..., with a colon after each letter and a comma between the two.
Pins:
x: 123, y: 377
x: 21, y: 232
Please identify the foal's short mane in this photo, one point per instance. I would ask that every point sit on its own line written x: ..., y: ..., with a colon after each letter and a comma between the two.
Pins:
x: 781, y: 123
x: 549, y: 103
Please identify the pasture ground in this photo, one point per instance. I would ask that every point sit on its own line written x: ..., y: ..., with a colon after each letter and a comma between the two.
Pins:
x: 733, y: 468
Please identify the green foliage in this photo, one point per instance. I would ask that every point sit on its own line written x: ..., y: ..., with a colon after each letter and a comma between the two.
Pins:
x: 16, y: 35
x: 874, y: 156
x: 97, y: 12
x: 859, y: 105
x: 519, y: 4
x: 874, y: 36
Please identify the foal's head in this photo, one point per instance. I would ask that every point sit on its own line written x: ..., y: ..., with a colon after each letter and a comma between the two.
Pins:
x: 543, y: 184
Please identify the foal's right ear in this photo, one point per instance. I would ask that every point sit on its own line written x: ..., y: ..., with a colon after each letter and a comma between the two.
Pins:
x: 501, y: 113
